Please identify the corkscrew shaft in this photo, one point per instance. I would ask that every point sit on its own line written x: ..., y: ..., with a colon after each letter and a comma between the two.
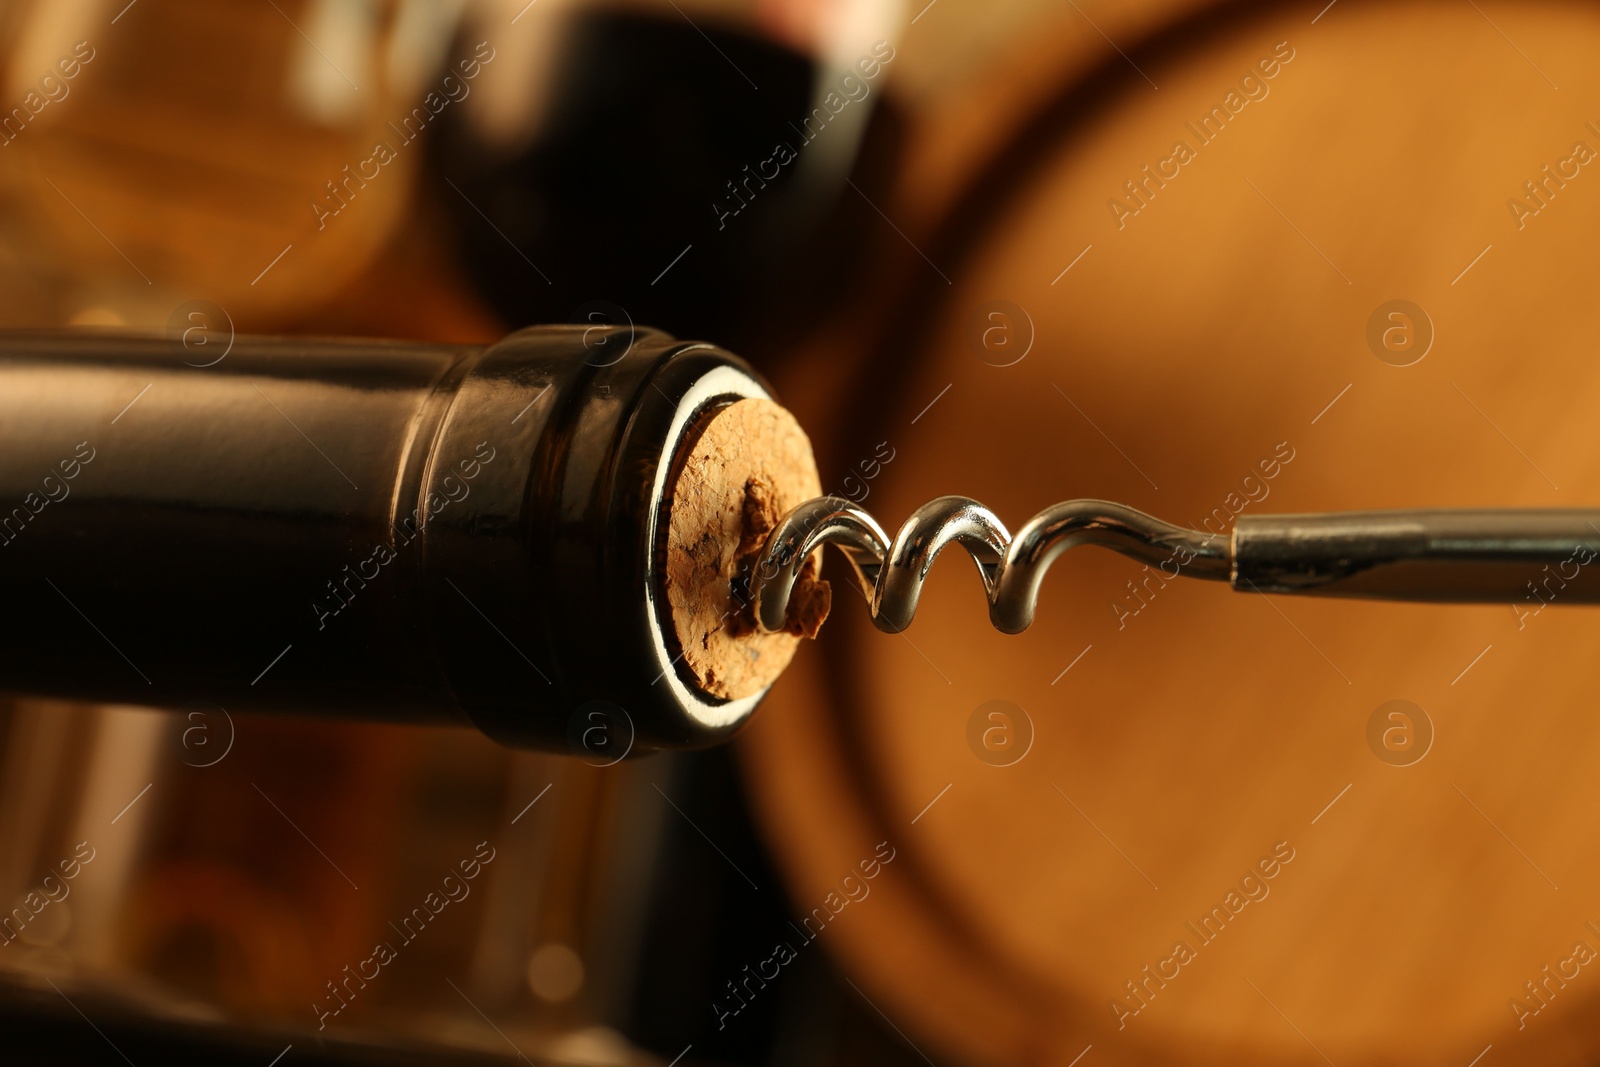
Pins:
x: 1465, y: 556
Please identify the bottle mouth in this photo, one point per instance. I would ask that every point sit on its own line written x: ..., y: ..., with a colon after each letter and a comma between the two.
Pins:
x: 571, y: 546
x: 742, y: 465
x: 682, y: 479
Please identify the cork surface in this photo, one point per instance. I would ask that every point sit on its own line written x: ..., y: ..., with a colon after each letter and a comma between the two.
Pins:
x: 750, y: 465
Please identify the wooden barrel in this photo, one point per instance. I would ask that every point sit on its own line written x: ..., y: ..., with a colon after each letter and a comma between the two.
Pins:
x: 1203, y: 259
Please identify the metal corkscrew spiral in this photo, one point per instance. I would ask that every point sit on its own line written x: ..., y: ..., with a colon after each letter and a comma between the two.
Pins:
x: 1483, y: 556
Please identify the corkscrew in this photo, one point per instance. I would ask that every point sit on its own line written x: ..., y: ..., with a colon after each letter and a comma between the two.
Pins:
x: 1521, y: 557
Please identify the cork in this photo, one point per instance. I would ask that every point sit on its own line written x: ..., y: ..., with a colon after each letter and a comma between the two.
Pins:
x: 749, y: 466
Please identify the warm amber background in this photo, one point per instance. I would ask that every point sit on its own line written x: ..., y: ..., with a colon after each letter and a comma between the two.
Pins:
x: 1196, y: 339
x: 1217, y: 724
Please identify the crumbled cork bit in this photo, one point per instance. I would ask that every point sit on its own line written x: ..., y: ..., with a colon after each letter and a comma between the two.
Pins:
x: 811, y: 597
x: 750, y: 465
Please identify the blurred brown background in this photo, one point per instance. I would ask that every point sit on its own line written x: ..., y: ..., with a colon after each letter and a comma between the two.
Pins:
x: 1431, y: 891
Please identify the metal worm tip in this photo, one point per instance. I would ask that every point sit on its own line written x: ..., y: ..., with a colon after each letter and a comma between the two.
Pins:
x: 890, y: 573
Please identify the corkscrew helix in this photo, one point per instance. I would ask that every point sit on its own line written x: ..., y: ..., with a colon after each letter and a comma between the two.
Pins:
x: 1526, y: 558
